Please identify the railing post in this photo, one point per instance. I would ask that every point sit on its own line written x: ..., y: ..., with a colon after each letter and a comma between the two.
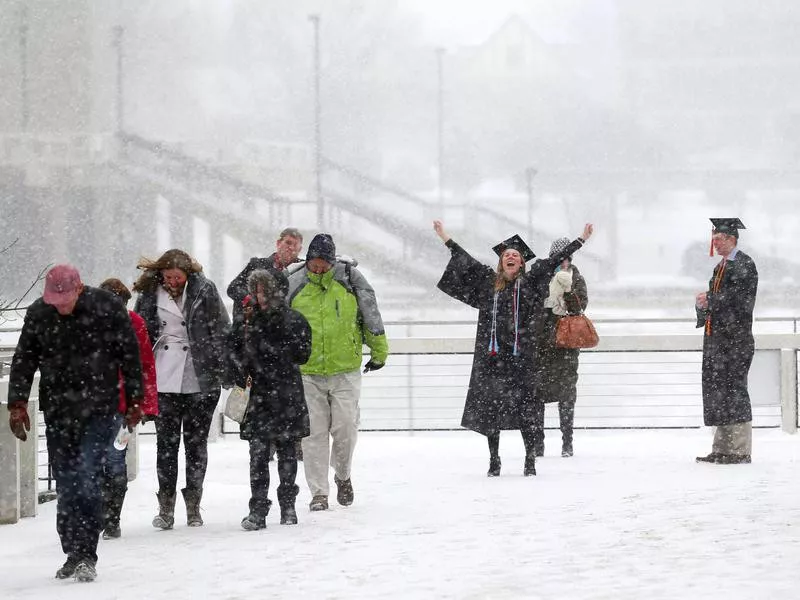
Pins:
x: 29, y: 464
x: 789, y: 390
x: 132, y: 455
x: 9, y: 475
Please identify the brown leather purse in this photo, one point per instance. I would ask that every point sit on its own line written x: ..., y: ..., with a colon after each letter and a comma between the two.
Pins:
x: 576, y: 331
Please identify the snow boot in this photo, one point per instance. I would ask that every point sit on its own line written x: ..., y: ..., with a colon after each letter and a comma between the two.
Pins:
x: 566, y: 449
x: 192, y: 500
x: 286, y: 499
x: 318, y: 503
x: 113, y: 497
x: 530, y: 466
x: 85, y: 571
x: 165, y: 518
x: 67, y: 570
x: 344, y: 493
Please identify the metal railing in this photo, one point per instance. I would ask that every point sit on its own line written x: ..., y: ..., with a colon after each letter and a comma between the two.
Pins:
x: 646, y: 379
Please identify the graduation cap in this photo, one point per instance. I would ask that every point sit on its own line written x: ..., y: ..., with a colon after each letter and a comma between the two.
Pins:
x: 728, y: 226
x: 515, y: 243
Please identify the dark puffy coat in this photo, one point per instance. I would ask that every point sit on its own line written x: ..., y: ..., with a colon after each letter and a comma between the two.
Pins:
x: 728, y: 345
x: 277, y: 342
x: 80, y: 356
x: 502, y: 385
x: 557, y: 368
x: 207, y: 323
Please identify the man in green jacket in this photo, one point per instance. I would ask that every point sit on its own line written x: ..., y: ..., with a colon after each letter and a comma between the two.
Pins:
x: 340, y: 306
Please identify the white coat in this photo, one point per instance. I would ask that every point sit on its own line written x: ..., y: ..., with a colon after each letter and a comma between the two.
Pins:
x: 174, y: 366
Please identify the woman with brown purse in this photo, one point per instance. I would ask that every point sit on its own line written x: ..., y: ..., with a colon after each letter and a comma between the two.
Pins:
x: 510, y: 302
x: 557, y: 367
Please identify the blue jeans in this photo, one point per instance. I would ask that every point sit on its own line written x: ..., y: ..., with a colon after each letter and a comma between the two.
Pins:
x: 78, y: 450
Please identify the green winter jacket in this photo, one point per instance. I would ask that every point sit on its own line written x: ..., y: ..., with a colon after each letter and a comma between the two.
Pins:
x: 341, y: 309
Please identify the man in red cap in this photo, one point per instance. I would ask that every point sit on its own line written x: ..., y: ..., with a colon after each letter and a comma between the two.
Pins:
x: 80, y: 338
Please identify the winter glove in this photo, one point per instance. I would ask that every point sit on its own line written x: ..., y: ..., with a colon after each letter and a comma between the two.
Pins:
x: 18, y: 420
x: 134, y: 415
x: 372, y: 366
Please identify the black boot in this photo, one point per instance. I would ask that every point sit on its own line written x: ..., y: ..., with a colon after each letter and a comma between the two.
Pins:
x: 113, y: 497
x: 257, y: 519
x: 286, y: 499
x: 165, y: 518
x: 566, y: 448
x: 494, y: 467
x: 530, y: 465
x: 192, y: 500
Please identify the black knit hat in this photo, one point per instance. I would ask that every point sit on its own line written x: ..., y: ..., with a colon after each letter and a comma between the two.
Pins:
x: 322, y: 246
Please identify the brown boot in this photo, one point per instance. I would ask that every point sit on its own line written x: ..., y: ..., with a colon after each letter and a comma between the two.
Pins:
x: 192, y: 500
x: 165, y: 518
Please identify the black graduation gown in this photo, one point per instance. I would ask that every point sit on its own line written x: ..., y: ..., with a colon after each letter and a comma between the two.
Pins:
x: 501, y: 386
x: 729, y: 347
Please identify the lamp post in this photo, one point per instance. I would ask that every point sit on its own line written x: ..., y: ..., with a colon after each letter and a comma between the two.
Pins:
x: 118, y: 33
x: 440, y: 126
x: 317, y: 127
x: 530, y: 173
x: 23, y: 59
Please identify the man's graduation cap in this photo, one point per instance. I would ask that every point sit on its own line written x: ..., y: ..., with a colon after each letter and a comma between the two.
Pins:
x: 728, y: 226
x: 515, y: 243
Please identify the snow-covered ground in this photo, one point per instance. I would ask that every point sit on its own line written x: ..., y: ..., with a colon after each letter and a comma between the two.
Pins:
x: 630, y: 516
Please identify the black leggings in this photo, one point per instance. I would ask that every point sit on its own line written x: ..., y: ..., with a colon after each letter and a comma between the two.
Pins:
x: 528, y: 438
x: 193, y: 412
x: 259, y: 474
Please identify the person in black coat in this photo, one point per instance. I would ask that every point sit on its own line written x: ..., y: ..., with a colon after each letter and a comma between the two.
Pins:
x: 725, y: 312
x: 557, y: 368
x: 287, y: 249
x: 80, y: 338
x: 188, y: 326
x: 510, y: 304
x: 277, y: 342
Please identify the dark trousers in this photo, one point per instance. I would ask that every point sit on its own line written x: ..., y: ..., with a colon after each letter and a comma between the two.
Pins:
x: 566, y: 416
x: 259, y: 474
x: 528, y: 438
x: 193, y: 413
x: 77, y: 453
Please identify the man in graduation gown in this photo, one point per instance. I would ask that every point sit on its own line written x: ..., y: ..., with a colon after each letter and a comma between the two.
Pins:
x: 725, y: 312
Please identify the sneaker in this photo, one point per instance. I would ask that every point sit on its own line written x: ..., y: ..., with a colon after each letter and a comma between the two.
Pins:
x: 344, y: 494
x: 318, y: 503
x: 67, y: 570
x: 289, y: 516
x: 85, y: 571
x: 733, y: 459
x: 112, y: 532
x: 494, y: 467
x: 253, y: 522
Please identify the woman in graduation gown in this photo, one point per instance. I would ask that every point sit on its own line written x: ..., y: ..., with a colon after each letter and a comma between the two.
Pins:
x: 510, y: 302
